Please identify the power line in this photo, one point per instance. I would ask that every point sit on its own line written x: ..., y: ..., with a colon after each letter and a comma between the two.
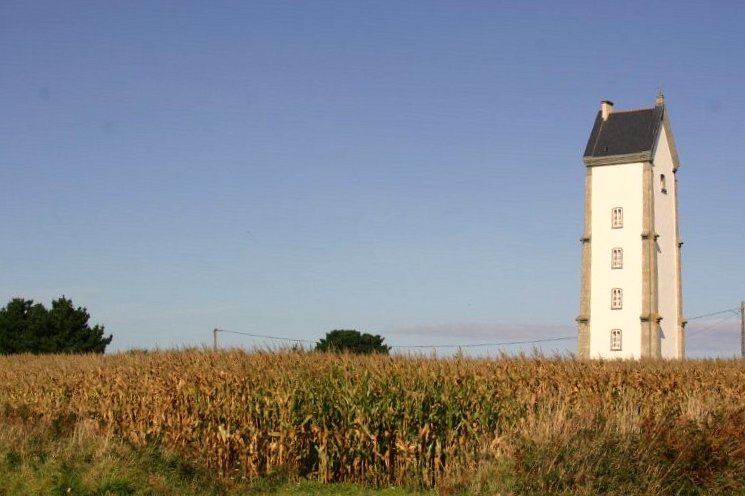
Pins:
x: 710, y: 327
x: 503, y: 343
x: 474, y: 345
x: 729, y: 310
x: 264, y: 336
x: 735, y: 311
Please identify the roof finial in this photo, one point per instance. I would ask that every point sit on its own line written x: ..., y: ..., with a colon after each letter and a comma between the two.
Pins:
x: 660, y: 97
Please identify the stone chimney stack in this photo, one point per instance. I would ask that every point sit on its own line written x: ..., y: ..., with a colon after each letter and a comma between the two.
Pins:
x: 606, y: 108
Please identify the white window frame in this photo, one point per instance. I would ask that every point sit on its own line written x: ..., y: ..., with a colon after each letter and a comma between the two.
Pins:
x: 616, y: 258
x: 616, y: 217
x: 616, y: 337
x: 616, y: 299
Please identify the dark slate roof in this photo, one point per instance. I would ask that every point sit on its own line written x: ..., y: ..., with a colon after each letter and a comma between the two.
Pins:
x: 625, y: 132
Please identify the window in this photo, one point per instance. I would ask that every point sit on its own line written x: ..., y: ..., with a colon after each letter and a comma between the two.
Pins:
x: 615, y: 340
x: 663, y: 184
x: 616, y: 299
x: 616, y: 258
x: 617, y: 218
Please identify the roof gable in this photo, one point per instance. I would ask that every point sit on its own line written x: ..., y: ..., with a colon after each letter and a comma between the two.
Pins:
x: 631, y: 133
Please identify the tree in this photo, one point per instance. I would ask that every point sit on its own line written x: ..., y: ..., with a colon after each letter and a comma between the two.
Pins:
x: 26, y: 327
x: 345, y: 340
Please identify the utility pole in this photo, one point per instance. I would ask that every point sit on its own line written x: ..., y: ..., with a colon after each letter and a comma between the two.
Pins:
x: 214, y: 339
x: 742, y: 329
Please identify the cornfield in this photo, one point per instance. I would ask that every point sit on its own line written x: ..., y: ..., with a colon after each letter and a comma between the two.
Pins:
x: 400, y: 420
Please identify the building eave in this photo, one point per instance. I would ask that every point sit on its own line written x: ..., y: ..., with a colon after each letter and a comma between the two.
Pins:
x: 628, y: 158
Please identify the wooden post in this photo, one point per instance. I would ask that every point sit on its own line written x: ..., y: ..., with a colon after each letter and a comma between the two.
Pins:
x: 742, y: 329
x: 214, y: 339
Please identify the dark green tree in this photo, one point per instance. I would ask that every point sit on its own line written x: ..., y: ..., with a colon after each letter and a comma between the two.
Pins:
x: 26, y: 327
x: 347, y: 340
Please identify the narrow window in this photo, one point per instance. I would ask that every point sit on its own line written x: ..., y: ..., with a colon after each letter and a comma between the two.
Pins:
x: 615, y: 340
x: 616, y: 299
x: 617, y: 217
x: 663, y: 184
x: 616, y: 258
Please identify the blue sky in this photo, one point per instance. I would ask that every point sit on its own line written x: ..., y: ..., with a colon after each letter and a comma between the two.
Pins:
x: 411, y: 169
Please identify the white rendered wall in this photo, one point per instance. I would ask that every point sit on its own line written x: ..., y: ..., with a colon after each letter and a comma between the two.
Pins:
x: 616, y: 186
x: 667, y: 260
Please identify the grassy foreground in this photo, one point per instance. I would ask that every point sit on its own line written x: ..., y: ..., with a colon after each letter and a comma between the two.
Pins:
x: 196, y: 422
x: 41, y: 459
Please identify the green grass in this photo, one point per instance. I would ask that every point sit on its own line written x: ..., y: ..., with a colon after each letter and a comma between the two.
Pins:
x: 316, y: 489
x: 79, y: 460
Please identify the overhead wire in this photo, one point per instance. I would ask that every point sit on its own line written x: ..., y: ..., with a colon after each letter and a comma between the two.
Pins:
x: 728, y: 310
x: 264, y: 336
x: 478, y: 345
x: 710, y: 327
x: 734, y: 311
x: 464, y: 345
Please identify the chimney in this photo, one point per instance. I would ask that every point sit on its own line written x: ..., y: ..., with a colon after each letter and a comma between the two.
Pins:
x: 606, y: 107
x: 660, y: 101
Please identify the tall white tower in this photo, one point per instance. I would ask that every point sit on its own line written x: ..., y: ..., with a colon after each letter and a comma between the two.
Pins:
x: 631, y: 304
